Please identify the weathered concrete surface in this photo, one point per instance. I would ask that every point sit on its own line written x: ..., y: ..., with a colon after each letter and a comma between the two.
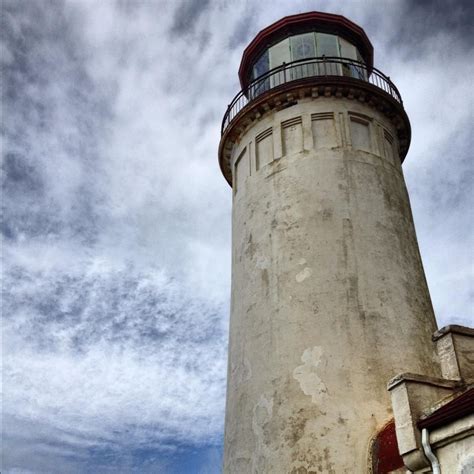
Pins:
x: 455, y: 347
x: 453, y: 445
x: 329, y: 298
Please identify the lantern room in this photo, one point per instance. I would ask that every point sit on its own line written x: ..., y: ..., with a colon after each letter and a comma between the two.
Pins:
x: 308, y: 44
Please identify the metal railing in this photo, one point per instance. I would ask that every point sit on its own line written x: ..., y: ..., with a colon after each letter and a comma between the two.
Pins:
x: 305, y: 68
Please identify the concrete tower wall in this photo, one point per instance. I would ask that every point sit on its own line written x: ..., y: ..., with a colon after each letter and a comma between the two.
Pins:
x: 329, y: 298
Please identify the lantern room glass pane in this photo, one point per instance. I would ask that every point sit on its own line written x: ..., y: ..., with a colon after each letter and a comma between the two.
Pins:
x: 279, y: 54
x: 302, y: 46
x: 348, y: 51
x: 261, y: 67
x: 362, y: 72
x: 327, y: 45
x: 302, y: 49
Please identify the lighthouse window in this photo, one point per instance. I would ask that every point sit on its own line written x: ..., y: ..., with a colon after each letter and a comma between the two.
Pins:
x: 305, y: 46
x: 302, y: 46
x: 327, y: 45
x: 261, y: 66
x: 298, y: 48
x: 280, y: 53
x: 362, y: 73
x: 349, y: 51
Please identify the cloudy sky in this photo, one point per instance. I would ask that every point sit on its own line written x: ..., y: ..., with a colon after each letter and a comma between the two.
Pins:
x: 116, y: 229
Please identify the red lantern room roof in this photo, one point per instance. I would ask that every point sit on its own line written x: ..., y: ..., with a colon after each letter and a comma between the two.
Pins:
x: 296, y: 24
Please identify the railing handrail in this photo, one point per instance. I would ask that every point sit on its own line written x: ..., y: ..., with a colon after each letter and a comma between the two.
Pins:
x: 372, y: 76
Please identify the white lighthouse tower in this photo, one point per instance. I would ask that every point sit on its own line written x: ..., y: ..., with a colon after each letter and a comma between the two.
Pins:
x: 329, y: 297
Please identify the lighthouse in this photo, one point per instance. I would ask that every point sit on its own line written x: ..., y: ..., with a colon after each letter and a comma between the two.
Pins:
x: 329, y: 297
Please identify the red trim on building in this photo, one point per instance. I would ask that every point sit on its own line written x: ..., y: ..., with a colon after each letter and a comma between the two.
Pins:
x: 385, y: 454
x: 295, y: 24
x: 461, y: 406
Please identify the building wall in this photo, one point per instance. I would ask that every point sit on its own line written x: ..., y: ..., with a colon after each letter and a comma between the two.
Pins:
x: 329, y: 298
x: 457, y: 456
x: 454, y: 446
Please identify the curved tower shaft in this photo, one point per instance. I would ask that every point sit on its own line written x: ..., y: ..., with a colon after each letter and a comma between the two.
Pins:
x: 329, y: 297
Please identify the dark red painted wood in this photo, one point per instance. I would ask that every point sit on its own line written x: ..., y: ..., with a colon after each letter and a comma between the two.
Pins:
x: 385, y: 455
x: 462, y: 405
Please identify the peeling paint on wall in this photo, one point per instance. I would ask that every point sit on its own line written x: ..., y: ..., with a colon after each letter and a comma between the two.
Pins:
x: 305, y: 273
x: 309, y: 381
